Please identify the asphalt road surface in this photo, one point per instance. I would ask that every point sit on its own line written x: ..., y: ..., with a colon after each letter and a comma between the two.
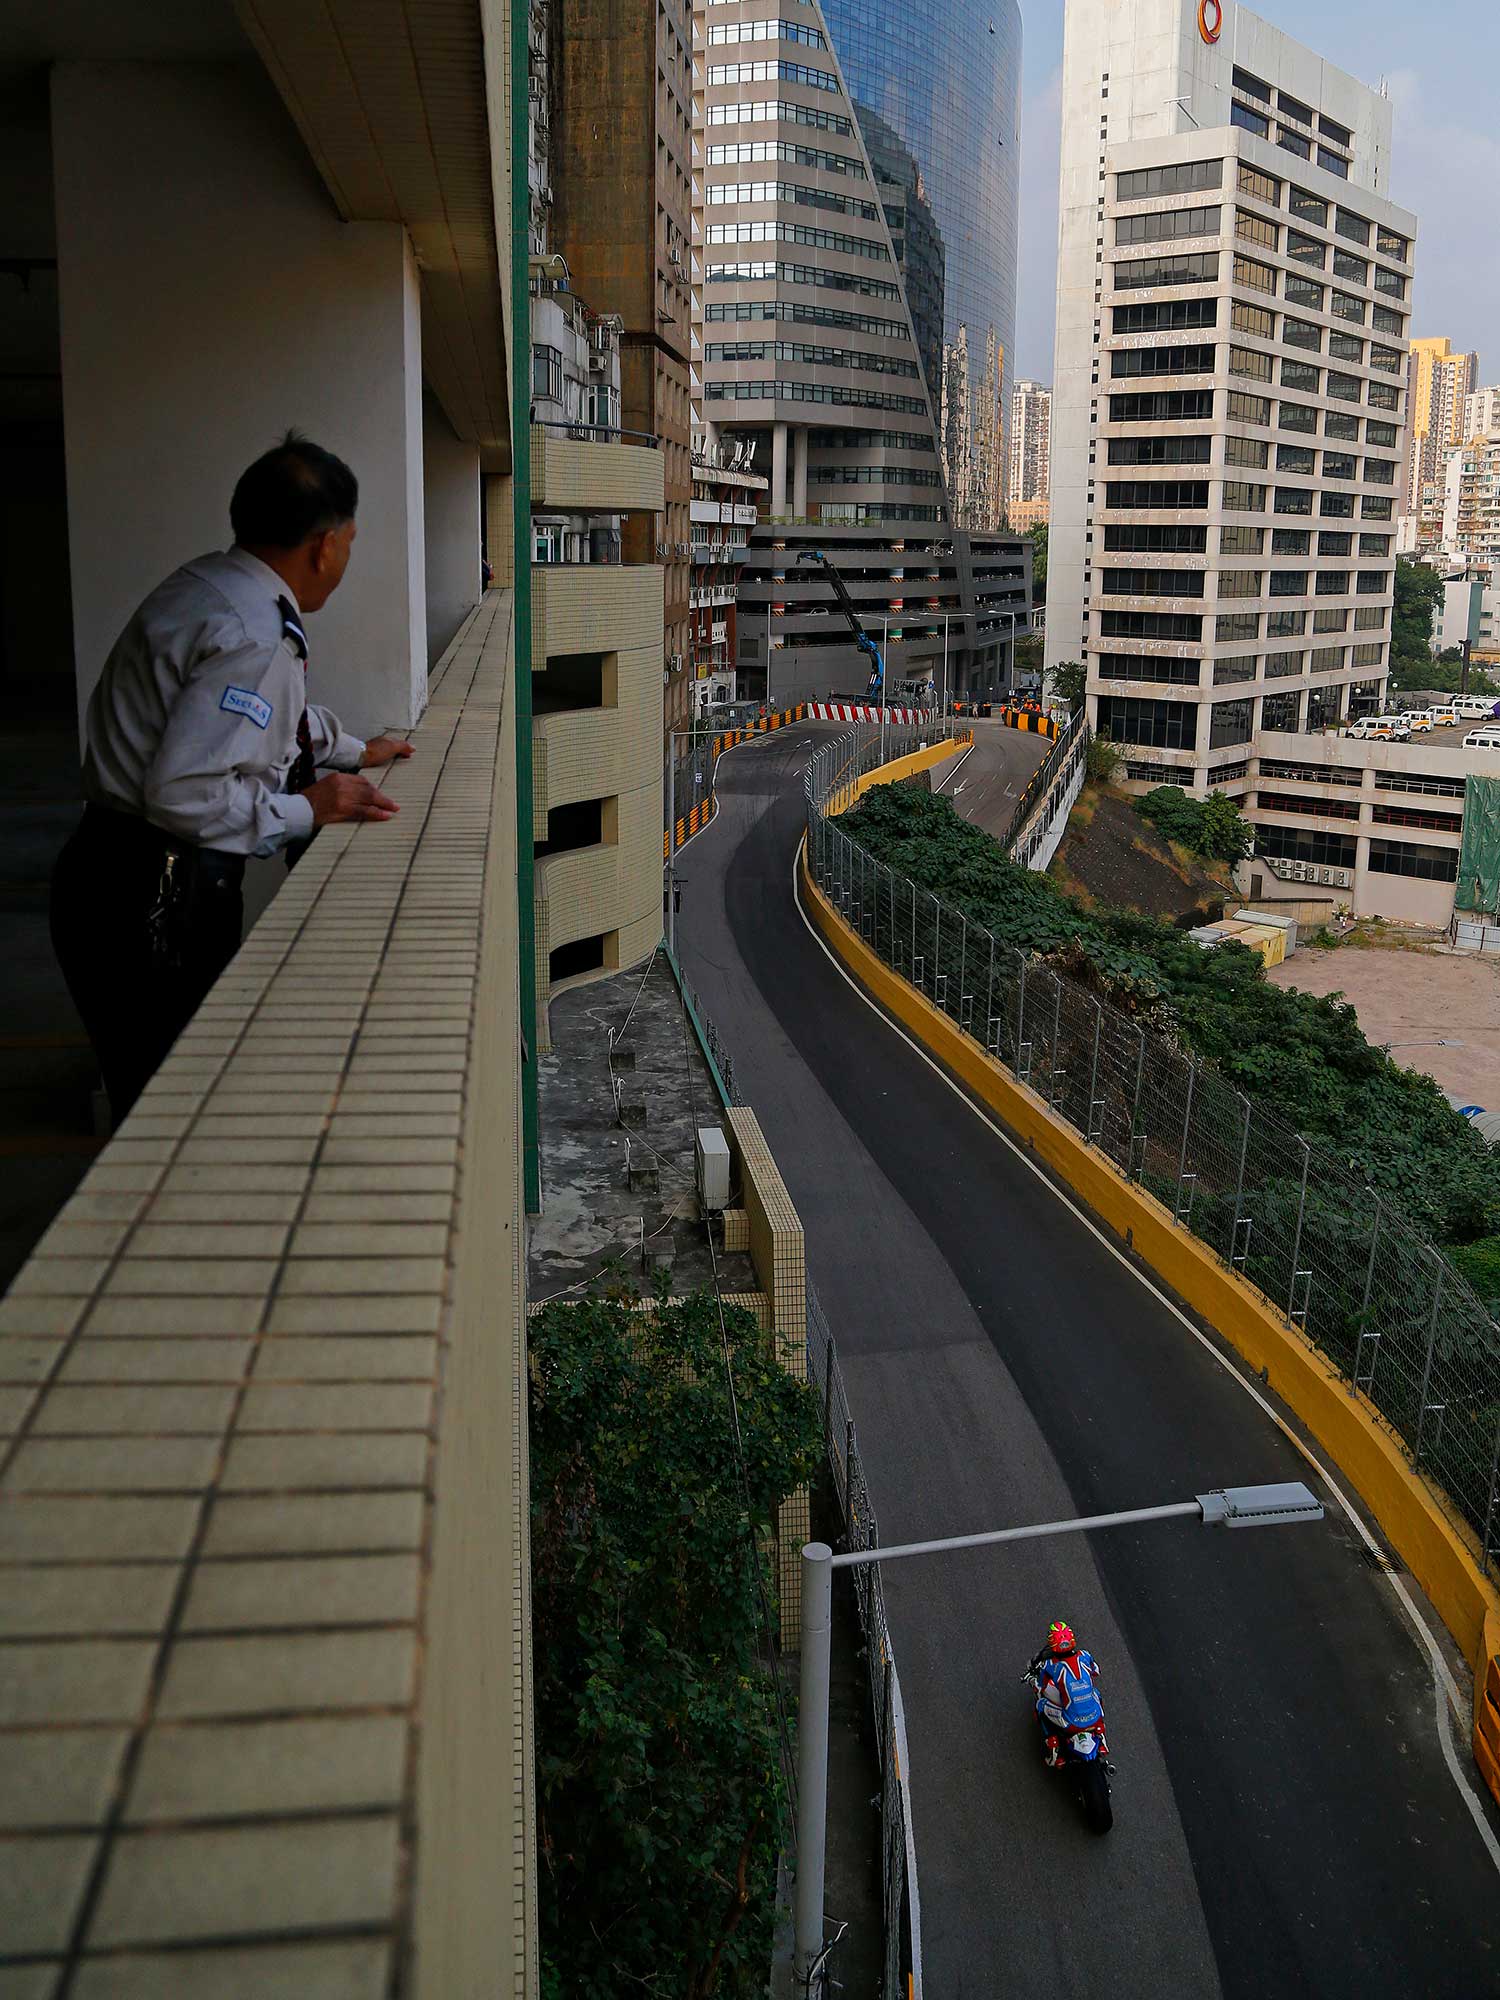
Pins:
x: 1285, y: 1821
x: 985, y: 784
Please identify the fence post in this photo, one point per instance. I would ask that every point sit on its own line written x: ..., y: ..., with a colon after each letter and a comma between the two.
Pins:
x: 828, y: 1390
x: 1297, y: 1239
x: 937, y: 940
x: 1091, y: 1135
x: 1437, y: 1299
x: 1021, y: 1017
x: 963, y: 959
x: 1239, y: 1191
x: 1187, y: 1119
x: 1485, y: 1539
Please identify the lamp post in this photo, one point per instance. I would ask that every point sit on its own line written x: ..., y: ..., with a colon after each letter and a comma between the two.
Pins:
x: 885, y: 647
x: 1230, y: 1507
x: 945, y: 666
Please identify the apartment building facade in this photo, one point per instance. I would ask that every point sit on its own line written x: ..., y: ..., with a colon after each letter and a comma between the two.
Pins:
x: 1228, y: 396
x: 1470, y: 520
x: 1439, y: 384
x: 1029, y: 455
x: 1481, y: 414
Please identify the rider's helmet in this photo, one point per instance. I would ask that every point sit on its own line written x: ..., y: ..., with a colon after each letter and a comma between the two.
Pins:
x: 1060, y: 1639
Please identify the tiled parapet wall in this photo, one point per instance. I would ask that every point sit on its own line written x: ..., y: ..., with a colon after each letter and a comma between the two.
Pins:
x: 263, y: 1647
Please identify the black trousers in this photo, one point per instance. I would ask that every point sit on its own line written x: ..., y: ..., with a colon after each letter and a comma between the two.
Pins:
x: 134, y: 999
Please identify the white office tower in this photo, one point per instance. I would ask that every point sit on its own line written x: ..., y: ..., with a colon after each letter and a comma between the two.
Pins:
x: 1232, y: 316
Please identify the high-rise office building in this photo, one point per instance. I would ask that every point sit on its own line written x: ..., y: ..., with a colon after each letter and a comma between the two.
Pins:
x: 1438, y: 385
x: 821, y: 270
x: 1233, y: 294
x: 942, y: 78
x: 1029, y: 455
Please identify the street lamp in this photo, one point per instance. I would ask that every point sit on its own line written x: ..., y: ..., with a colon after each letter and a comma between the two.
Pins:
x: 1229, y: 1507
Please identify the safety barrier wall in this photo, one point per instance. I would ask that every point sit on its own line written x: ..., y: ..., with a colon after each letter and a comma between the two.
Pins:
x: 1368, y: 1332
x: 1036, y: 826
x: 693, y: 779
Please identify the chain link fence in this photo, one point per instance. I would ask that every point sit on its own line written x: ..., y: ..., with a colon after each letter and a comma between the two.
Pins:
x: 901, y: 1977
x: 1387, y: 1310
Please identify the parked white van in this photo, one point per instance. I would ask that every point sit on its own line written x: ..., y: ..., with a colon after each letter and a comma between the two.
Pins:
x: 1388, y: 728
x: 1483, y: 739
x: 1418, y: 720
x: 1444, y: 715
x: 1476, y: 707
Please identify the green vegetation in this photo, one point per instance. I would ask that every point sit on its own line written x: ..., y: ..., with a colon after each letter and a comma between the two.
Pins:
x: 1068, y: 678
x: 1444, y: 674
x: 1102, y: 760
x: 1419, y: 592
x: 1037, y: 537
x: 1480, y: 1264
x: 1300, y: 1057
x: 1209, y: 827
x: 1030, y: 653
x: 658, y: 1763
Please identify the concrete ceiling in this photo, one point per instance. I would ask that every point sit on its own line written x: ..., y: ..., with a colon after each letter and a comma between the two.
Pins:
x: 43, y: 31
x: 390, y: 98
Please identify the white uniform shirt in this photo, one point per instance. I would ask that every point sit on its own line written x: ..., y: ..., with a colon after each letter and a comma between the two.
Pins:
x: 193, y: 725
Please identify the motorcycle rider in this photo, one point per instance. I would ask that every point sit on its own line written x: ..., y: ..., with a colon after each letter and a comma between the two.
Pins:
x: 1067, y: 1690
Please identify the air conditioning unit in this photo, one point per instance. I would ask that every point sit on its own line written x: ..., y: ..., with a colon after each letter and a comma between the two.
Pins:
x: 711, y: 1151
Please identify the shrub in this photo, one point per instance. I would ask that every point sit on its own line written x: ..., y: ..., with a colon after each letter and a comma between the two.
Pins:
x: 1101, y: 760
x: 1211, y: 827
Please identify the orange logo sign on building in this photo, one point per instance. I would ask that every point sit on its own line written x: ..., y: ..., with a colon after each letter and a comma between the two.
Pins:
x: 1210, y: 20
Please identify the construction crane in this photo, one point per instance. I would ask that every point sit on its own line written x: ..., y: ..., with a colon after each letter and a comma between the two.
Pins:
x: 862, y: 638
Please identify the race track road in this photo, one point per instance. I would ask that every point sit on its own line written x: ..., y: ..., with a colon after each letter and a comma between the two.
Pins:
x: 1286, y: 1823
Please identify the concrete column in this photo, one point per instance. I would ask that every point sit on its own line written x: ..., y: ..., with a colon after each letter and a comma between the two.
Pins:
x: 799, y: 471
x: 206, y: 311
x: 778, y: 469
x: 451, y: 526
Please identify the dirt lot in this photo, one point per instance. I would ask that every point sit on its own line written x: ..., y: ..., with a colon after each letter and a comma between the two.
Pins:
x: 1111, y: 855
x: 1416, y: 1000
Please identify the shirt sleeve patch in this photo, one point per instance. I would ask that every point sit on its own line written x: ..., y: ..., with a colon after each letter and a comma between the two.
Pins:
x: 254, y: 708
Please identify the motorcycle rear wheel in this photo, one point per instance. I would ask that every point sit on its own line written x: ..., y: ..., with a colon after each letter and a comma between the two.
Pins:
x: 1093, y: 1789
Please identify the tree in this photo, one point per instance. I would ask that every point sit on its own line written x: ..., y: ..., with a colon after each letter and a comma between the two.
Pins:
x: 1068, y: 680
x: 1210, y: 827
x: 1037, y: 537
x: 1419, y: 591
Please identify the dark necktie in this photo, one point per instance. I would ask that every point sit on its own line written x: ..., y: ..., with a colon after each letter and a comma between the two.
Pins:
x: 304, y: 770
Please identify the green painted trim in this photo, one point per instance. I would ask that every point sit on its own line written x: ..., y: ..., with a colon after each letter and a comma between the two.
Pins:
x: 698, y: 1028
x: 520, y: 454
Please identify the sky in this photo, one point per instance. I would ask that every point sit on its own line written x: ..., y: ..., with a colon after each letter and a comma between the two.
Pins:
x: 1440, y: 61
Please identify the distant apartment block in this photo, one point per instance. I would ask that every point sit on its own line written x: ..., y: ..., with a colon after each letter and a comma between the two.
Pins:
x: 1439, y: 385
x: 1482, y: 414
x: 1029, y: 455
x: 1470, y: 521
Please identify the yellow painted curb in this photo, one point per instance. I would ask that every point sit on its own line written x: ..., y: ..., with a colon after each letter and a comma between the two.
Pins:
x: 1433, y: 1546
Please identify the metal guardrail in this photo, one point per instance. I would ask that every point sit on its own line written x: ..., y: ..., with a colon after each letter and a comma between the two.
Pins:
x: 1059, y: 763
x: 596, y: 433
x: 1385, y: 1308
x: 901, y: 1977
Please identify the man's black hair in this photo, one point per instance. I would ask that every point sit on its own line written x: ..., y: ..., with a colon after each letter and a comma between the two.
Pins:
x: 292, y: 491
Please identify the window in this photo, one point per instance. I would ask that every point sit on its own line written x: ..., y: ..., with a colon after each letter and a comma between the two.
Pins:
x: 804, y: 315
x: 1250, y: 364
x: 1251, y: 85
x: 1249, y: 121
x: 1334, y: 544
x: 1343, y: 306
x: 1280, y: 665
x: 1264, y: 187
x: 1330, y: 621
x: 1380, y: 471
x: 1385, y: 321
x: 1255, y: 229
x: 1339, y: 424
x: 1345, y: 347
x: 1166, y: 315
x: 1390, y: 282
x: 1353, y: 270
x: 1174, y: 536
x: 1312, y: 774
x: 1282, y: 711
x: 1343, y: 388
x: 1352, y: 227
x: 1407, y: 781
x: 1384, y: 396
x: 1305, y: 249
x: 815, y: 353
x: 1333, y: 583
x: 1435, y: 822
x: 772, y: 72
x: 1285, y: 624
x: 1236, y: 625
x: 1293, y: 500
x: 1159, y: 451
x: 1374, y: 545
x: 1339, y: 134
x: 1295, y: 458
x: 795, y: 192
x: 1297, y: 417
x: 1237, y: 667
x: 1147, y: 667
x: 1325, y: 659
x: 1187, y: 178
x: 765, y: 31
x: 1245, y: 409
x: 1156, y: 493
x: 787, y: 391
x: 1298, y: 802
x: 1389, y: 244
x: 1370, y: 653
x: 1252, y: 319
x: 1241, y: 541
x: 1302, y: 291
x: 1196, y: 268
x: 768, y: 113
x: 1381, y: 434
x: 1290, y: 541
x: 1239, y: 583
x: 1339, y: 465
x: 1163, y: 361
x: 1151, y: 582
x: 1293, y: 107
x: 1306, y: 844
x: 1180, y: 625
x: 1292, y: 143
x: 1240, y: 497
x: 1229, y: 722
x: 1255, y: 277
x: 1405, y: 857
x: 1375, y: 507
x: 797, y: 232
x: 1387, y: 360
x: 1307, y: 207
x: 1369, y: 617
x: 1302, y: 333
x: 1289, y: 583
x: 803, y: 274
x: 1161, y: 406
x: 1162, y: 725
x: 1332, y: 164
x: 1162, y: 226
x: 1373, y: 583
x: 547, y: 374
x: 1299, y: 375
x: 1246, y: 451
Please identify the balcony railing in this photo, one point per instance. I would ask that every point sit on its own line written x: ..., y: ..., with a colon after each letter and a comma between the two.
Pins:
x: 597, y: 433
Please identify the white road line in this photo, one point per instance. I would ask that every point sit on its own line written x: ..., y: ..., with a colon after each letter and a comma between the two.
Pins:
x: 1442, y: 1680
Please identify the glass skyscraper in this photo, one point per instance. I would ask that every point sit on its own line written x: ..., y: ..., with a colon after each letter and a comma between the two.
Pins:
x: 943, y: 77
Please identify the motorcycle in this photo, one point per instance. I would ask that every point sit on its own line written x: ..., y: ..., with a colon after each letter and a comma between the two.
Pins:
x: 1083, y: 1759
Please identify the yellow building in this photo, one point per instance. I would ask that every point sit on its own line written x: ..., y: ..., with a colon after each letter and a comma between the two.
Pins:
x: 1438, y: 382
